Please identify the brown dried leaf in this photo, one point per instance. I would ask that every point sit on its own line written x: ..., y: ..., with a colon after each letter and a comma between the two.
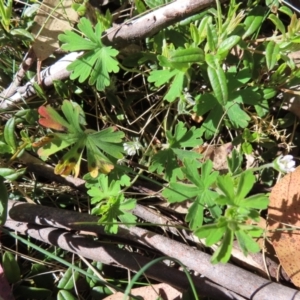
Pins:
x: 151, y: 292
x: 217, y: 154
x: 284, y: 212
x: 52, y: 19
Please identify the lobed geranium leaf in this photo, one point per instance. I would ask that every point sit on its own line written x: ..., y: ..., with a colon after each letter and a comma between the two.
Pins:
x: 105, y: 64
x: 108, y: 141
x: 95, y: 64
x: 82, y: 66
x: 52, y: 119
x: 70, y: 162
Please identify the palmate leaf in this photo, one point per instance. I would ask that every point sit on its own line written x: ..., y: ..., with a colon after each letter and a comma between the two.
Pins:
x: 177, y: 66
x: 110, y: 202
x: 96, y: 143
x: 167, y: 159
x: 95, y: 64
x: 116, y: 208
x: 70, y: 163
x: 199, y: 192
x: 104, y: 189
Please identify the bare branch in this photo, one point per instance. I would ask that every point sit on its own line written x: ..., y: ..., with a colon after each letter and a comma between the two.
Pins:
x: 153, y: 22
x: 229, y: 276
x: 103, y: 252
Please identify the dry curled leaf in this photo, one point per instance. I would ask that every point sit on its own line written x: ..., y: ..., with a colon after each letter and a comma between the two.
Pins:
x: 284, y: 223
x: 217, y: 154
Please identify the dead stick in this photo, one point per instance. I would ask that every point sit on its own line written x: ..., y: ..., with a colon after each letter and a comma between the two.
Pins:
x: 112, y: 255
x: 229, y: 276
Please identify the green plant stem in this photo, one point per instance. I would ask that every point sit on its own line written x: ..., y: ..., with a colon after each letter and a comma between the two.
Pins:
x: 269, y: 165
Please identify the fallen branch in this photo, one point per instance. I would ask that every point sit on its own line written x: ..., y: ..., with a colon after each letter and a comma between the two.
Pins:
x: 97, y: 251
x: 229, y: 276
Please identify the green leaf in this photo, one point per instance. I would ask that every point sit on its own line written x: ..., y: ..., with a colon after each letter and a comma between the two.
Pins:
x: 23, y: 33
x: 247, y: 148
x: 246, y: 181
x: 225, y: 184
x: 68, y: 280
x: 205, y: 198
x: 41, y: 276
x: 209, y: 198
x: 9, y: 134
x: 10, y: 267
x: 65, y: 295
x: 108, y: 141
x: 52, y: 119
x: 11, y: 174
x: 211, y: 125
x: 74, y: 115
x: 176, y: 88
x: 208, y: 177
x: 104, y: 190
x: 3, y: 201
x: 195, y: 213
x: 235, y: 162
x: 125, y: 216
x: 166, y: 160
x: 160, y: 77
x: 278, y: 23
x: 191, y: 171
x: 215, y: 236
x: 178, y: 192
x: 211, y: 37
x: 75, y: 42
x: 190, y: 55
x: 194, y: 34
x: 237, y: 116
x: 246, y: 243
x: 57, y: 143
x: 228, y: 44
x: 259, y: 201
x: 212, y: 60
x: 183, y: 137
x: 223, y: 200
x: 218, y: 82
x: 254, y: 20
x: 83, y: 66
x: 31, y: 292
x: 222, y: 254
x: 272, y: 54
x: 140, y: 6
x: 254, y: 231
x: 286, y: 10
x: 105, y: 64
x: 205, y: 230
x: 112, y: 210
x: 247, y: 96
x: 98, y: 62
x: 205, y: 103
